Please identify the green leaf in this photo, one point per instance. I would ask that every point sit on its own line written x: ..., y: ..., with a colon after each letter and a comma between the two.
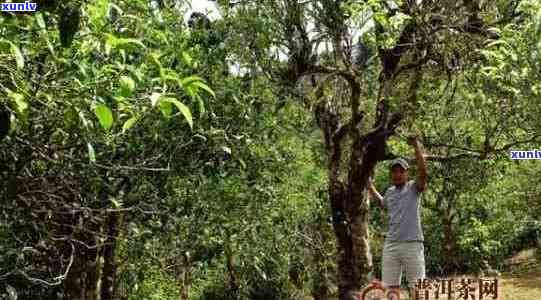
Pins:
x: 204, y: 139
x: 192, y: 83
x: 242, y: 163
x: 83, y: 119
x: 116, y: 204
x: 181, y: 107
x: 205, y: 87
x: 40, y: 21
x: 50, y: 47
x: 129, y: 124
x: 127, y: 86
x: 97, y: 12
x: 155, y: 58
x: 91, y: 153
x: 497, y: 43
x: 115, y: 7
x: 113, y: 42
x: 18, y: 55
x: 167, y: 74
x: 20, y: 103
x: 105, y: 116
x: 187, y: 58
x: 188, y: 80
x: 154, y: 98
x: 260, y: 271
x: 201, y: 105
x: 166, y: 108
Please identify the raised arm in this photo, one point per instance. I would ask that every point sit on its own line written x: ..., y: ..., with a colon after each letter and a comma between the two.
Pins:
x: 374, y: 195
x: 421, y: 163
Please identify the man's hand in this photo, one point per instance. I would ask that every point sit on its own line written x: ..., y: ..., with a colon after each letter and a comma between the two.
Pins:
x: 413, y: 140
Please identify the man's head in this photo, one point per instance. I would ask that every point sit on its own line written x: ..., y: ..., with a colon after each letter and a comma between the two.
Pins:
x: 399, y: 171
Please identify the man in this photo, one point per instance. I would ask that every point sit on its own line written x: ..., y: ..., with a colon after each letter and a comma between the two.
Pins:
x: 403, y: 247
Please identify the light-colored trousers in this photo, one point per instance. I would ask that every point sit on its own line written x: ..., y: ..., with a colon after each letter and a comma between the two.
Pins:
x: 399, y: 256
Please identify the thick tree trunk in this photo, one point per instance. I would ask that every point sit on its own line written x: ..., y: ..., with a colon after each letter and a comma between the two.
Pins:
x: 82, y: 280
x: 350, y: 223
x: 349, y: 279
x: 349, y: 208
x: 92, y: 275
x: 354, y: 258
x: 73, y: 285
x: 81, y: 283
x: 113, y: 225
x: 108, y: 279
x: 349, y: 202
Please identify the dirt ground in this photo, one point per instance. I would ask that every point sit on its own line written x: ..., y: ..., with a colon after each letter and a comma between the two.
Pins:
x: 520, y: 281
x: 523, y: 281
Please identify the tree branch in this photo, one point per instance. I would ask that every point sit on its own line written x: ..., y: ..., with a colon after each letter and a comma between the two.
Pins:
x: 56, y: 280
